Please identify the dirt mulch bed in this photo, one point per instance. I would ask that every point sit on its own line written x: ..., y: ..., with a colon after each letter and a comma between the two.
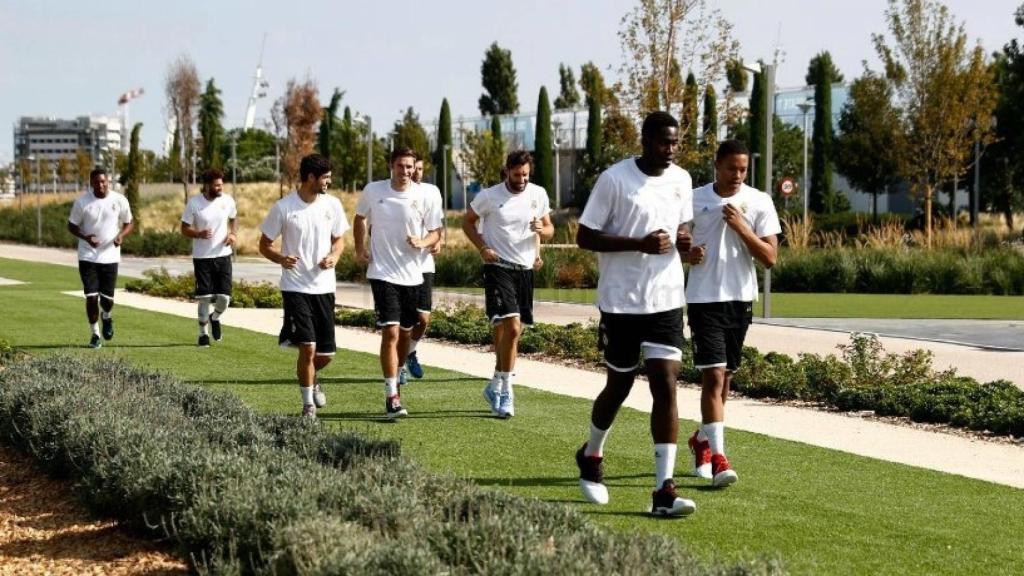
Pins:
x: 45, y: 530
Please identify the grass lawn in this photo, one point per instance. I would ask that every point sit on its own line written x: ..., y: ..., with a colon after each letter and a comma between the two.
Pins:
x: 784, y: 305
x: 821, y: 511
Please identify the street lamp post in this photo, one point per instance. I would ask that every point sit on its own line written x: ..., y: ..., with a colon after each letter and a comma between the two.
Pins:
x: 234, y: 162
x: 444, y: 177
x: 805, y: 188
x: 369, y: 150
x: 558, y: 174
x: 39, y: 205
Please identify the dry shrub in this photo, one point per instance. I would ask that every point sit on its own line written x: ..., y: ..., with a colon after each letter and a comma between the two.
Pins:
x: 798, y: 231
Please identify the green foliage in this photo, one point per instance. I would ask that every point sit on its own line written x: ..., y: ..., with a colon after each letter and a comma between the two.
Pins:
x: 496, y: 129
x: 788, y: 153
x: 254, y: 154
x: 594, y: 158
x: 410, y: 133
x: 822, y: 74
x: 240, y: 492
x: 568, y: 97
x: 133, y: 175
x: 498, y: 76
x: 328, y: 127
x: 484, y: 156
x: 1002, y: 182
x: 618, y: 136
x: 211, y: 131
x: 756, y: 129
x: 444, y: 147
x: 593, y: 86
x: 736, y: 76
x: 543, y: 156
x: 163, y: 284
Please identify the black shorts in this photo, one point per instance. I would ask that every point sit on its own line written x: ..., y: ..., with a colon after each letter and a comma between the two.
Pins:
x: 98, y: 279
x: 309, y: 319
x: 425, y: 297
x: 395, y: 304
x: 508, y: 292
x: 622, y: 336
x: 213, y: 276
x: 718, y: 330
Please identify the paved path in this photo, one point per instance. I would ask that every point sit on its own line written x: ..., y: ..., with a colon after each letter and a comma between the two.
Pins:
x: 990, y: 461
x: 984, y: 364
x: 1005, y: 335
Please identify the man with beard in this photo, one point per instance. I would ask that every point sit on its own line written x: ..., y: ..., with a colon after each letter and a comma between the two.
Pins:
x: 311, y: 224
x: 209, y: 220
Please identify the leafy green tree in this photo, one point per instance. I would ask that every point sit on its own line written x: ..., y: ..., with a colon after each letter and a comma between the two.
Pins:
x: 484, y: 157
x: 568, y: 97
x: 496, y: 128
x: 869, y: 144
x: 544, y: 171
x: 352, y: 151
x: 594, y: 88
x: 703, y: 171
x: 328, y: 128
x: 619, y: 136
x: 410, y: 133
x: 787, y: 153
x: 444, y: 146
x: 498, y: 76
x: 594, y: 161
x: 211, y: 131
x: 689, y: 124
x: 756, y: 129
x: 133, y: 174
x: 254, y: 154
x: 821, y: 74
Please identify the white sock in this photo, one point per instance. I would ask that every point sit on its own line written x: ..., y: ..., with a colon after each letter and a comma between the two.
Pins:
x: 203, y: 328
x: 95, y: 328
x: 307, y: 395
x: 664, y: 463
x: 595, y: 442
x: 220, y: 304
x: 105, y: 315
x: 506, y: 382
x: 495, y: 383
x: 204, y: 311
x: 701, y: 436
x: 391, y: 386
x: 412, y: 345
x: 715, y: 431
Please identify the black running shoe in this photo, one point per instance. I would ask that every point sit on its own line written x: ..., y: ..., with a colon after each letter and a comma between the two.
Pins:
x: 204, y: 341
x: 215, y: 329
x: 591, y: 477
x: 95, y: 342
x: 108, y: 328
x: 664, y: 502
x: 393, y: 408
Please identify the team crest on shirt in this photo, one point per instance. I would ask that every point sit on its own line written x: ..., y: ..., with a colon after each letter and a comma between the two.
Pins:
x: 743, y: 207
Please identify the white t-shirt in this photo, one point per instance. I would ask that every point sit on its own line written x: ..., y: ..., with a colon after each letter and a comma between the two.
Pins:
x: 104, y: 218
x: 627, y: 202
x: 434, y: 204
x: 393, y: 216
x: 306, y: 231
x: 203, y: 214
x: 505, y: 220
x: 727, y: 273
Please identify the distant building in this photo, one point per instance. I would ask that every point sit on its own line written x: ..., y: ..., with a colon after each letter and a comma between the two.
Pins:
x: 50, y: 140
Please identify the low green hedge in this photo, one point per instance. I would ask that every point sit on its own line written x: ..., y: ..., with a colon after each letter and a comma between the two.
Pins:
x: 244, y: 294
x: 244, y: 493
x: 864, y: 377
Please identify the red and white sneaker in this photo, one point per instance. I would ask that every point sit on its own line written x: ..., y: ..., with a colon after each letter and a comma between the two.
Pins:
x: 701, y: 451
x: 722, y: 474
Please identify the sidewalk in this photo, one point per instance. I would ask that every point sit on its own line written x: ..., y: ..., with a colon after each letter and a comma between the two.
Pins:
x: 982, y: 364
x: 993, y: 462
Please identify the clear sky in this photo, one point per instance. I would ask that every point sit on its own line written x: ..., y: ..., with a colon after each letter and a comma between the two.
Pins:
x: 69, y: 58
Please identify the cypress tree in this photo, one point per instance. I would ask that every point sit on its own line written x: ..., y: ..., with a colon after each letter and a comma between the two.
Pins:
x: 496, y: 128
x: 444, y: 138
x: 593, y: 161
x: 133, y: 174
x: 710, y: 125
x: 327, y: 124
x: 758, y: 102
x: 544, y: 171
x: 822, y: 73
x: 211, y: 111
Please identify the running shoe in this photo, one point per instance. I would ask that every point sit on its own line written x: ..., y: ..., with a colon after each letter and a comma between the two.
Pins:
x: 413, y: 364
x: 591, y: 477
x: 665, y: 502
x: 701, y: 451
x: 722, y: 474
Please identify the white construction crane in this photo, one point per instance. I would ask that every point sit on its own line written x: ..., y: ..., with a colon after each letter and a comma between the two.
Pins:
x: 259, y: 90
x: 122, y: 102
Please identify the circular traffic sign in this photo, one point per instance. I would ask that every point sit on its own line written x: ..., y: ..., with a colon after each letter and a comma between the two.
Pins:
x: 787, y: 187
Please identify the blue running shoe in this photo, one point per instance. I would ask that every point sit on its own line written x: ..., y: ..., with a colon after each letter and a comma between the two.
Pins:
x: 506, y: 405
x: 403, y: 376
x: 493, y: 399
x: 413, y: 364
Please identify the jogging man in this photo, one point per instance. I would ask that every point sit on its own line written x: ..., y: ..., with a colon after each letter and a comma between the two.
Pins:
x: 512, y: 215
x: 733, y: 225
x: 425, y: 300
x: 404, y: 225
x: 210, y: 221
x: 100, y: 219
x: 311, y: 224
x: 636, y: 220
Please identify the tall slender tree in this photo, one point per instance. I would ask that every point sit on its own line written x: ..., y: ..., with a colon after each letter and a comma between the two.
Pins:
x: 568, y: 97
x: 328, y: 126
x: 211, y: 130
x: 498, y: 76
x: 689, y: 123
x: 822, y: 73
x: 544, y: 172
x: 593, y: 157
x: 757, y: 125
x: 443, y: 154
x: 133, y: 175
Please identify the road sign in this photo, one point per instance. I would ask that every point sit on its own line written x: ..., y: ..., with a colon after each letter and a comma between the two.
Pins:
x: 787, y: 187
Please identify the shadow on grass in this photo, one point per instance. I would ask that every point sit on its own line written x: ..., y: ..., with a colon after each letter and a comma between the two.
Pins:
x: 612, y: 481
x: 283, y: 382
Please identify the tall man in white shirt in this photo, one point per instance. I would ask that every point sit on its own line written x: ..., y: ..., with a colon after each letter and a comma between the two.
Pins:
x: 512, y: 214
x: 404, y: 224
x: 311, y: 224
x: 425, y: 300
x: 210, y: 221
x: 636, y: 220
x: 733, y: 225
x: 100, y: 219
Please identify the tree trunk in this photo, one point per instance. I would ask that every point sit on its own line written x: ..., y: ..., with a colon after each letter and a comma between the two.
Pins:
x: 952, y: 203
x: 928, y: 215
x: 874, y: 207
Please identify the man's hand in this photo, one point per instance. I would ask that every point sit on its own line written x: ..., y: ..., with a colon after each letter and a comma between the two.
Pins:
x: 683, y: 240
x: 230, y: 240
x: 328, y: 262
x: 204, y: 234
x: 92, y: 240
x: 489, y: 255
x: 657, y: 242
x: 289, y: 262
x: 734, y: 218
x: 538, y: 263
x: 436, y: 248
x: 536, y: 226
x: 696, y: 255
x: 117, y: 240
x: 363, y: 257
x: 415, y: 241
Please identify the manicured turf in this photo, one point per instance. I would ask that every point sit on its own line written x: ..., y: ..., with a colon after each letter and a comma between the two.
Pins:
x: 935, y: 306
x: 821, y: 511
